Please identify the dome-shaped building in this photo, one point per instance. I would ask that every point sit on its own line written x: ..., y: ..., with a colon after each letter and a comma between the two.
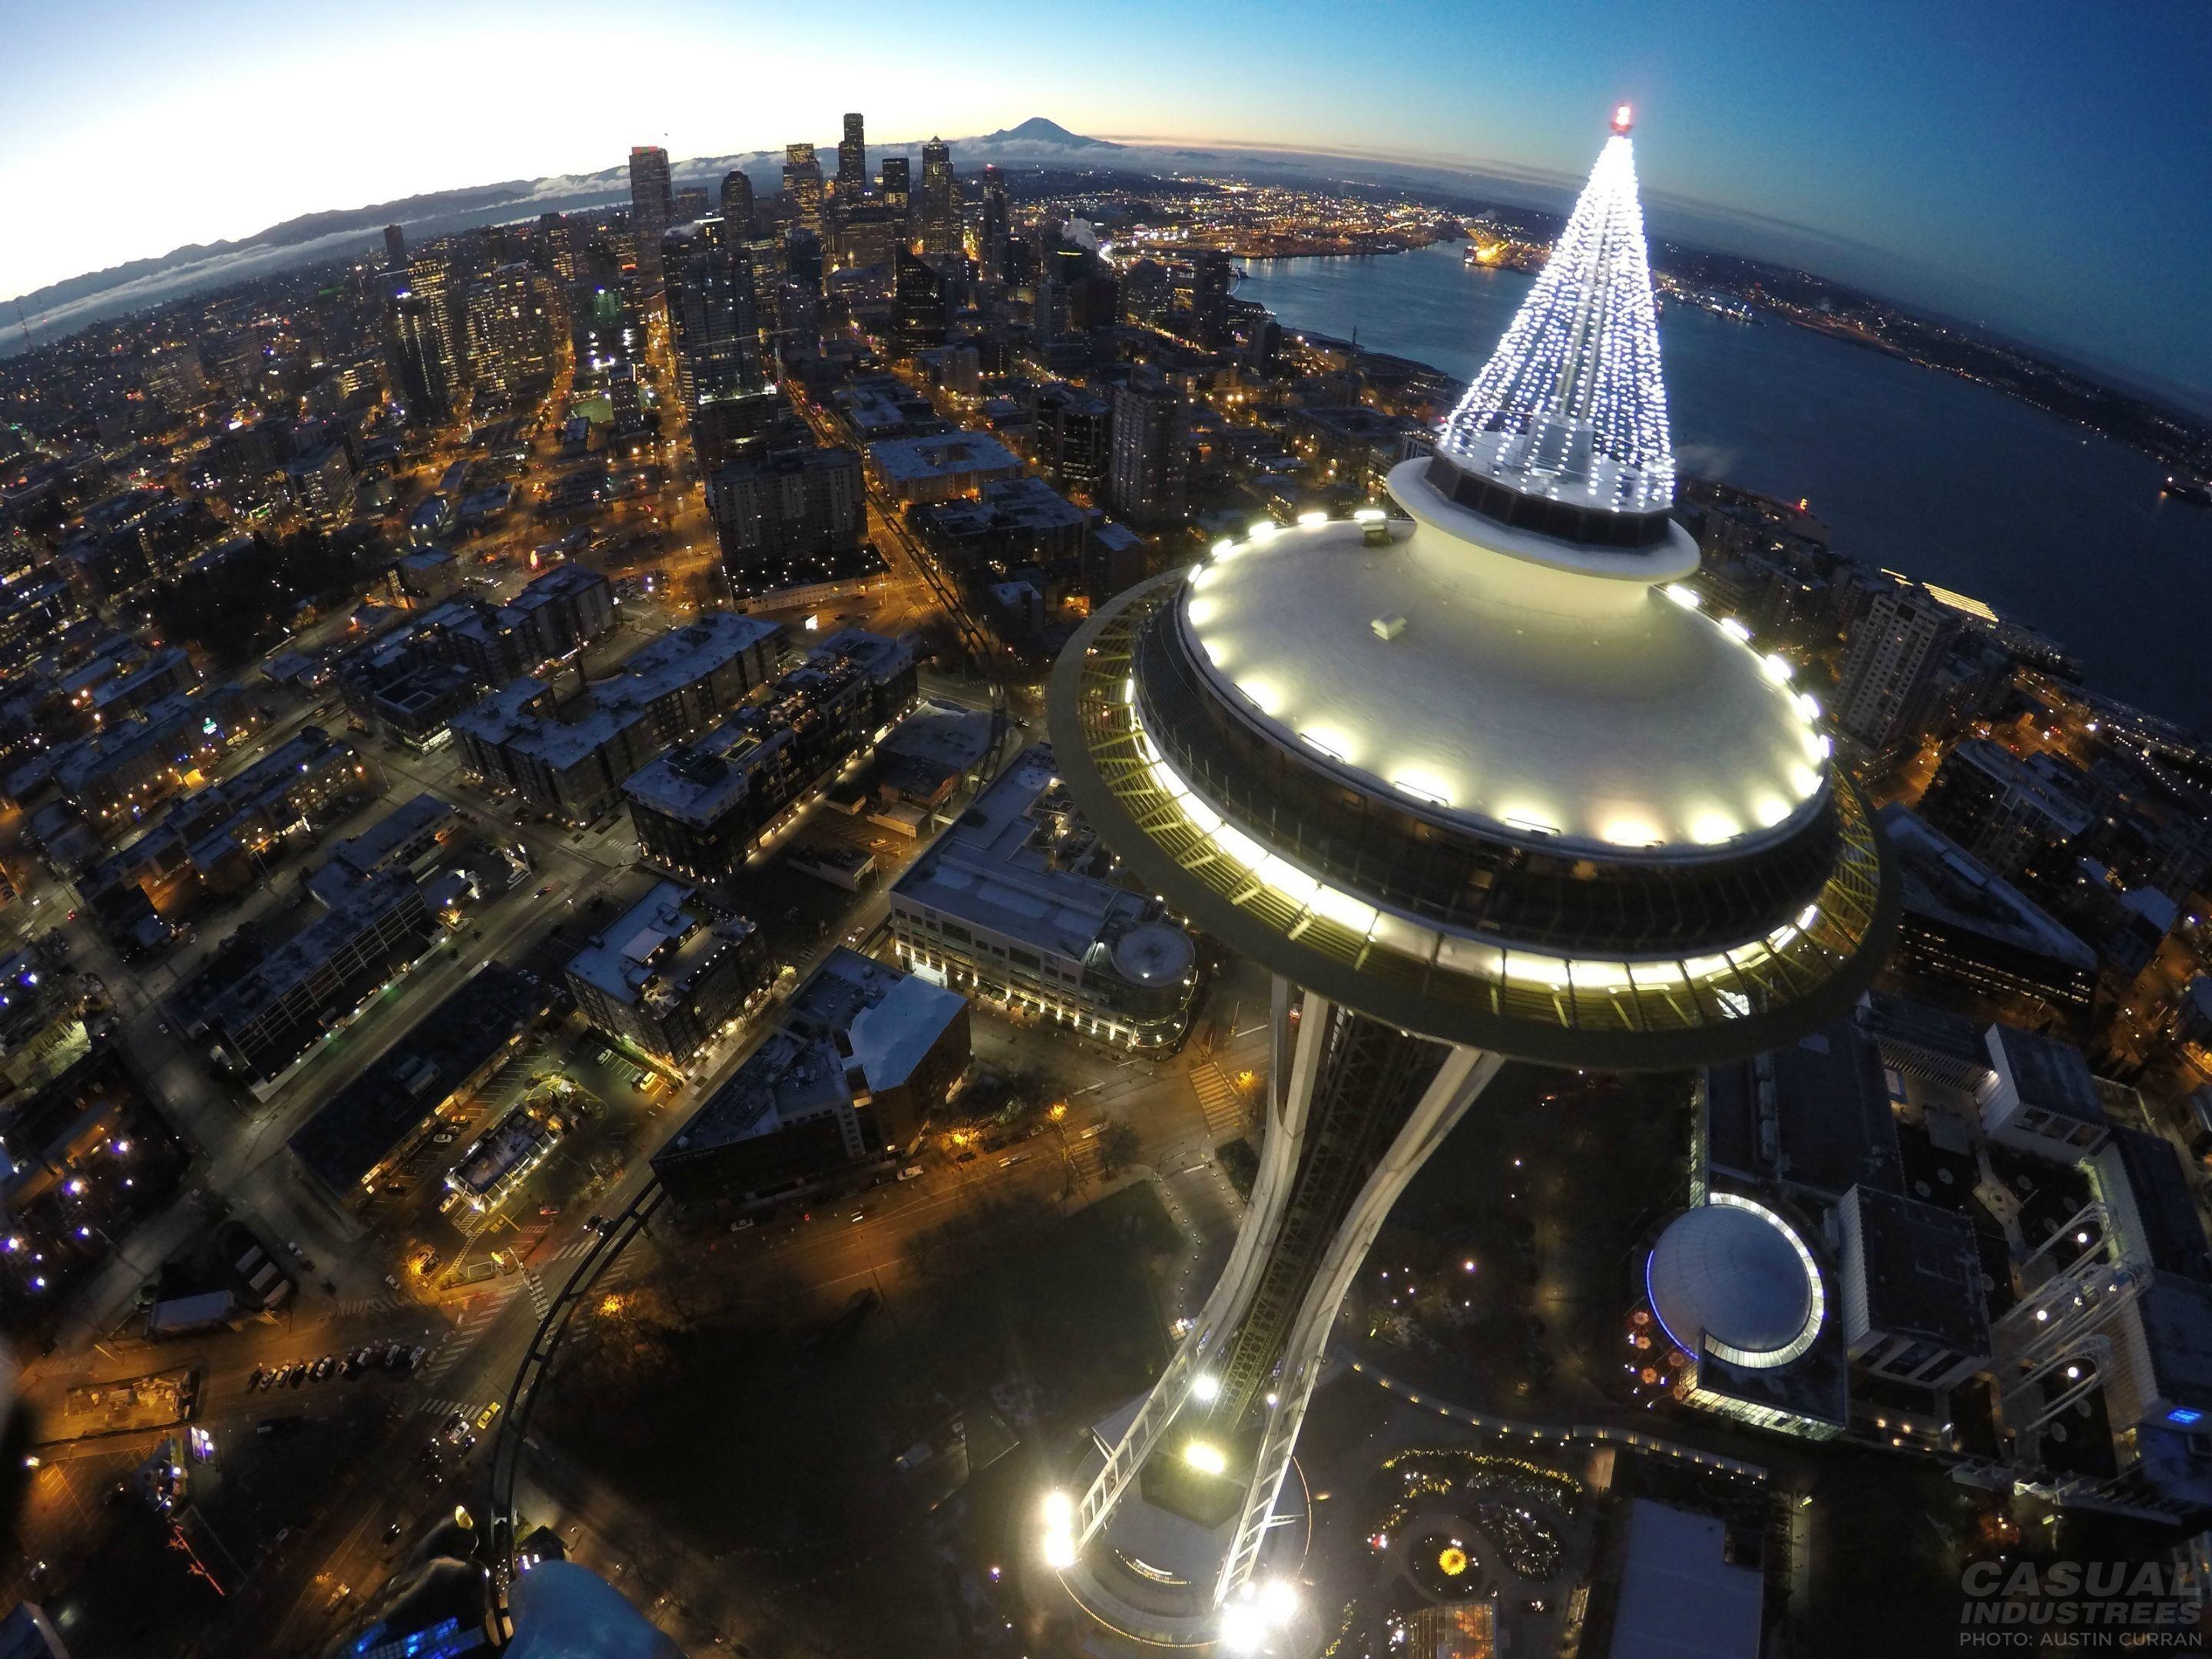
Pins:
x: 1732, y: 1279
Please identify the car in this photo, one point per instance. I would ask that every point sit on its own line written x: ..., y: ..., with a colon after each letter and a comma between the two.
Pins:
x: 256, y: 1380
x: 392, y: 1532
x: 415, y: 1355
x: 485, y: 1416
x: 442, y: 1138
x: 858, y: 1217
x: 545, y: 892
x: 965, y: 1158
x: 742, y: 1223
x: 912, y: 1172
x: 298, y: 1255
x: 391, y: 1283
x: 297, y: 1375
x: 322, y: 1368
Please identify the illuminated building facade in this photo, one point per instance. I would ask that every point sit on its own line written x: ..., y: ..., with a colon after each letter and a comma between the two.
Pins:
x: 1015, y: 905
x: 1477, y: 781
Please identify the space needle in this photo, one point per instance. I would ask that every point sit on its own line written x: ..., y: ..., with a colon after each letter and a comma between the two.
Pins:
x: 1477, y: 779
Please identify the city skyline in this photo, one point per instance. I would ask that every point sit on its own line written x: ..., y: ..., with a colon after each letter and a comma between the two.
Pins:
x: 1797, y: 139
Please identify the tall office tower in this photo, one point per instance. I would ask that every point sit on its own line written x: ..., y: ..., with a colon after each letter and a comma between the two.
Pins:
x: 1889, y: 668
x: 1209, y: 296
x: 509, y: 332
x: 920, y: 315
x: 995, y: 228
x: 1151, y: 445
x: 1477, y: 782
x: 651, y: 207
x: 852, y: 157
x: 738, y: 206
x: 940, y: 200
x: 896, y: 185
x: 395, y: 247
x: 802, y: 183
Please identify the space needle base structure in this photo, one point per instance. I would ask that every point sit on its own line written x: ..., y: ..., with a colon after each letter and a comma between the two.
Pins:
x: 1475, y: 780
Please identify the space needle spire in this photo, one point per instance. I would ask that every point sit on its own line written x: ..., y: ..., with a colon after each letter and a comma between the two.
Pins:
x: 1572, y: 408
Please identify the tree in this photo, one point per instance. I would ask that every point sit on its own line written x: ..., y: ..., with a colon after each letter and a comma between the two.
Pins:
x: 1117, y: 1148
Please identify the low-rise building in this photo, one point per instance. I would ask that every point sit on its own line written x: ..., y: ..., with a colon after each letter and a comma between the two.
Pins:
x: 372, y: 1124
x: 865, y: 1054
x: 407, y: 839
x: 936, y: 468
x: 2040, y: 1096
x: 1913, y: 1312
x: 1970, y: 935
x: 669, y: 974
x: 1016, y: 904
x: 700, y: 808
x: 515, y: 739
x: 274, y: 1013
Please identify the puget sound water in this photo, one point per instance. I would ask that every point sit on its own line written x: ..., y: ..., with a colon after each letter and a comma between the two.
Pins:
x: 1912, y: 469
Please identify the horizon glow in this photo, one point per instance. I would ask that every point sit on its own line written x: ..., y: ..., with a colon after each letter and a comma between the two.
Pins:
x: 1946, y: 161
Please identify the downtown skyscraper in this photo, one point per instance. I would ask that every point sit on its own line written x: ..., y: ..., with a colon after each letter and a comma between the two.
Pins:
x: 852, y: 158
x: 652, y: 206
x: 940, y: 199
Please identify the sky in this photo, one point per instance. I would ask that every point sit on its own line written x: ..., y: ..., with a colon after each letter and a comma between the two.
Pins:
x: 2044, y: 167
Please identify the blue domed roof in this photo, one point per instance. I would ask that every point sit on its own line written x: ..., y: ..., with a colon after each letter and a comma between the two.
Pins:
x: 562, y: 1610
x: 1731, y: 1279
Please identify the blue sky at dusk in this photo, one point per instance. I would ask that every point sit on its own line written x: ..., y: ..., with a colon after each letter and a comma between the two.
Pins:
x: 2043, y: 166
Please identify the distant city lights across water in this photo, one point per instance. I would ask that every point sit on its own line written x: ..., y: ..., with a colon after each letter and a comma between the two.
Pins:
x: 1912, y: 469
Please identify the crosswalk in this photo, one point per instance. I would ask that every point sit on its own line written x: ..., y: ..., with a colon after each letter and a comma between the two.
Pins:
x: 475, y: 1319
x: 358, y: 1307
x: 443, y: 1407
x: 1218, y: 1101
x: 536, y: 1289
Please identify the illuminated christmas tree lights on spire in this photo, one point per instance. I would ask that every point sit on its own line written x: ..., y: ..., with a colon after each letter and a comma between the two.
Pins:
x: 1572, y: 404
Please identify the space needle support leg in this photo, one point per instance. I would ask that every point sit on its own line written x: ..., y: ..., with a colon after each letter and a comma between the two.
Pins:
x: 1463, y: 1075
x: 1288, y: 1105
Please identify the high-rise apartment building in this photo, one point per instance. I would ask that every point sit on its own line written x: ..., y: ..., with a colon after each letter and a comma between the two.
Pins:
x: 802, y: 183
x: 736, y: 205
x: 852, y: 157
x: 651, y: 207
x: 395, y: 247
x: 426, y: 370
x: 509, y: 332
x: 1209, y: 296
x: 940, y: 199
x: 559, y: 246
x: 1890, y: 667
x: 1151, y: 444
x: 771, y: 508
x: 711, y: 318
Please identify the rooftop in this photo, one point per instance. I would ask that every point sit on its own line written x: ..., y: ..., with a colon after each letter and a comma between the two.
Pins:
x: 1020, y: 862
x: 357, y: 1128
x: 2046, y: 1072
x: 952, y: 454
x: 1729, y: 1277
x: 1829, y: 1105
x: 1681, y: 1596
x: 658, y: 948
x: 1945, y: 884
x: 1923, y: 1276
x: 1439, y: 671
